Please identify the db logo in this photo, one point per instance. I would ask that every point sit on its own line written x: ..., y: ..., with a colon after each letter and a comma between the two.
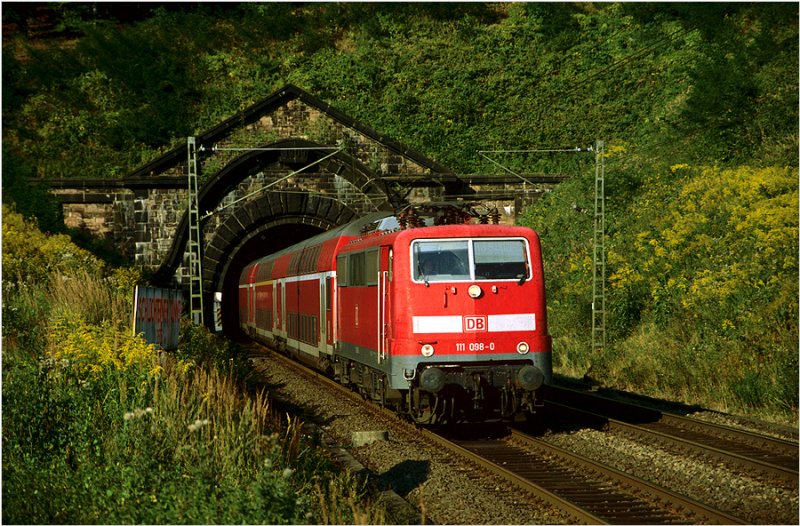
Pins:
x: 474, y: 323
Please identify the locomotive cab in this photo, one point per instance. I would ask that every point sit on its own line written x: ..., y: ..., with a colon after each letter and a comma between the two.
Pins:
x: 472, y: 342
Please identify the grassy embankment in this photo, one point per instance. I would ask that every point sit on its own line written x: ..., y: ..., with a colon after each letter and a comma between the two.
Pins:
x: 702, y: 288
x: 99, y: 427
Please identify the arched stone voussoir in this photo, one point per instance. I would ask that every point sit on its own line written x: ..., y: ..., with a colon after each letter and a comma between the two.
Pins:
x: 232, y: 234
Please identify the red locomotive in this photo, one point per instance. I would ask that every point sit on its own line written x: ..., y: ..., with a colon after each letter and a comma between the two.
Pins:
x: 444, y: 323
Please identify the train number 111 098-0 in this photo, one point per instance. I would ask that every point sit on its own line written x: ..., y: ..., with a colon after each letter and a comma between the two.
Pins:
x: 475, y: 346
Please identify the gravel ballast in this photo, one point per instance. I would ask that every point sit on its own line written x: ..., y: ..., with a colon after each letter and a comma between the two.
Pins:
x: 448, y: 494
x: 415, y: 470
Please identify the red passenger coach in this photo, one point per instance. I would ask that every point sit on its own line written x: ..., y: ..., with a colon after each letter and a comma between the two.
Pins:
x: 424, y: 311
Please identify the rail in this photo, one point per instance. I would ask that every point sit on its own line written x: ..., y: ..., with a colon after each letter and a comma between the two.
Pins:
x: 773, y: 457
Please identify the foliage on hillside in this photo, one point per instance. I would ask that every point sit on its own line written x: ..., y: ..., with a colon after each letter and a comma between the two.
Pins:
x: 99, y: 427
x: 702, y: 271
x: 697, y: 103
x: 710, y: 82
x: 29, y: 256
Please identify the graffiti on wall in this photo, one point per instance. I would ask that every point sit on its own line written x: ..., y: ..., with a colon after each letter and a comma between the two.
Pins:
x: 157, y: 315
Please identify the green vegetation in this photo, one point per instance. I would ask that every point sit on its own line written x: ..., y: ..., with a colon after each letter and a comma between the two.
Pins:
x: 99, y: 427
x: 705, y: 83
x: 697, y: 103
x: 702, y: 288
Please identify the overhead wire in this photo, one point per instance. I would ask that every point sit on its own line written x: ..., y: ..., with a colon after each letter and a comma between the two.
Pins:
x: 581, y: 83
x: 621, y: 62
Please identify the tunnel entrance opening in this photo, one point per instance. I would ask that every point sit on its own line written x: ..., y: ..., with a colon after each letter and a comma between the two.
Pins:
x: 267, y: 242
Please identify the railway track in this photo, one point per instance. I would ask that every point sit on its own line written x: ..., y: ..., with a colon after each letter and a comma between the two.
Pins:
x: 772, y: 458
x: 579, y: 488
x: 398, y: 508
x: 589, y: 491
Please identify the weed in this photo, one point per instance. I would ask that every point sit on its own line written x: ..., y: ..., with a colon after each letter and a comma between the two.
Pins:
x: 98, y: 427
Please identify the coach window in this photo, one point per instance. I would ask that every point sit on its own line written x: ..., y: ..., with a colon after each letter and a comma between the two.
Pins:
x: 302, y: 266
x: 328, y: 291
x: 294, y: 263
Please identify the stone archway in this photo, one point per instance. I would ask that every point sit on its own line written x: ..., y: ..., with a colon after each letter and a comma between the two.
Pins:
x: 290, y: 163
x: 144, y: 212
x: 312, y: 200
x: 262, y: 227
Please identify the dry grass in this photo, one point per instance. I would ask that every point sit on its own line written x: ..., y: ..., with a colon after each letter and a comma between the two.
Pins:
x: 92, y: 298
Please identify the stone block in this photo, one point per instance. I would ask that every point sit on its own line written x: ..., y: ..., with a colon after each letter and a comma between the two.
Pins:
x: 363, y: 438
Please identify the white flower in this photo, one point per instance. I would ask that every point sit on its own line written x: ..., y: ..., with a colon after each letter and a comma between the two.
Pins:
x: 138, y: 413
x: 198, y: 424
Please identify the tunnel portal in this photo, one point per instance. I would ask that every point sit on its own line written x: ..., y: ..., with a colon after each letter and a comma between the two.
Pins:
x: 268, y: 240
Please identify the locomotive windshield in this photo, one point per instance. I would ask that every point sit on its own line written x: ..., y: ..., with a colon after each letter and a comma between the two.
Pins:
x: 470, y: 260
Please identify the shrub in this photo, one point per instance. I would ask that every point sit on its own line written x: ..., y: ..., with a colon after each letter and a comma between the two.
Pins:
x: 97, y: 437
x: 198, y: 346
x: 722, y: 260
x: 702, y: 270
x: 95, y: 433
x: 89, y: 348
x: 31, y: 257
x: 98, y: 427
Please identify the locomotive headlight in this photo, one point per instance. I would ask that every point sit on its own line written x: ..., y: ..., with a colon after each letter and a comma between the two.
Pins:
x: 474, y: 291
x: 523, y: 348
x: 427, y: 350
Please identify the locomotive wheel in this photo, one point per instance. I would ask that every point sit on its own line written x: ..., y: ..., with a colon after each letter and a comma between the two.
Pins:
x: 509, y: 403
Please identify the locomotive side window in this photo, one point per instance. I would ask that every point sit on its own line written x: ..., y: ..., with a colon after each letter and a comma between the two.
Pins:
x: 371, y: 267
x: 470, y: 259
x: 358, y: 269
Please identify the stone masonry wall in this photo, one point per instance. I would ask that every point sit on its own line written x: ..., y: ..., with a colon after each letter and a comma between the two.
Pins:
x: 142, y: 223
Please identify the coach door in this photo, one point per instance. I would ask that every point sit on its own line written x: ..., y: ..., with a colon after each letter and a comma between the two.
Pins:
x: 252, y: 300
x: 279, y: 307
x: 326, y: 313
